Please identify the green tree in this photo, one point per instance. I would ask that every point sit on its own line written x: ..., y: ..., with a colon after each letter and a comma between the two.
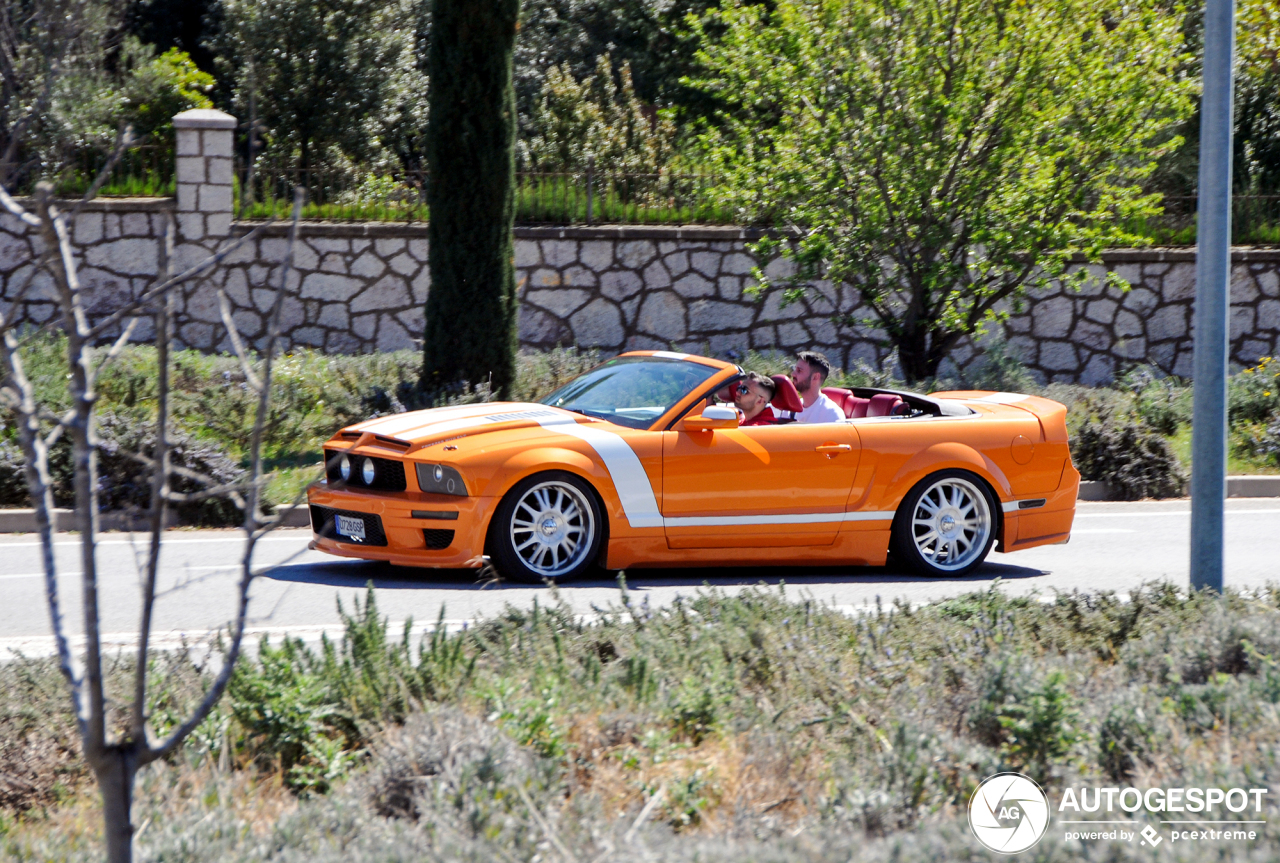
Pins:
x: 600, y: 117
x: 942, y: 156
x: 318, y: 69
x: 471, y: 132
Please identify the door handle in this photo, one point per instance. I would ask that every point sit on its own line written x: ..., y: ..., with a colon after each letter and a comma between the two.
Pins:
x: 833, y: 448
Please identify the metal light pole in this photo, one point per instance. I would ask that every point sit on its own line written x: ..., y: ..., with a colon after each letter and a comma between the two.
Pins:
x: 1213, y: 276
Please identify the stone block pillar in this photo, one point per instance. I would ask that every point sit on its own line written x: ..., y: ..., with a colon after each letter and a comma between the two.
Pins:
x: 204, y: 174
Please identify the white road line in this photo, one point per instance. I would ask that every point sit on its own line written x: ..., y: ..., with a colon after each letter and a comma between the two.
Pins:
x: 1102, y: 530
x: 177, y: 570
x: 1171, y: 512
x: 141, y: 540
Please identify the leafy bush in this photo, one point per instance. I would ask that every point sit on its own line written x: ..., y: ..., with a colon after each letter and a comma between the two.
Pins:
x: 1253, y: 395
x: 1135, y: 460
x: 124, y: 480
x: 1262, y: 441
x: 1160, y: 402
x: 832, y: 737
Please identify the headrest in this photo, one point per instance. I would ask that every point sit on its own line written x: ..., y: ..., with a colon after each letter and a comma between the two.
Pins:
x: 785, y: 398
x: 883, y: 405
x: 844, y: 399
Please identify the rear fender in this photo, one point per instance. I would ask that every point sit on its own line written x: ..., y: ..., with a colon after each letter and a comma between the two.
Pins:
x: 947, y: 456
x: 944, y: 456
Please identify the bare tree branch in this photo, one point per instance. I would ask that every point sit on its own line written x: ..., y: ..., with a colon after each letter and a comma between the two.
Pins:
x: 152, y: 294
x: 251, y: 517
x: 233, y: 332
x: 123, y: 139
x: 159, y: 488
x: 36, y: 454
x: 16, y: 209
x: 116, y: 347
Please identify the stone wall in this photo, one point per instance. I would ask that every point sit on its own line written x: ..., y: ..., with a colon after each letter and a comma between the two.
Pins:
x: 361, y: 287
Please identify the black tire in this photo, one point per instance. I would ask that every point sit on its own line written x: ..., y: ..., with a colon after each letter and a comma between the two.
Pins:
x: 930, y: 540
x: 532, y: 534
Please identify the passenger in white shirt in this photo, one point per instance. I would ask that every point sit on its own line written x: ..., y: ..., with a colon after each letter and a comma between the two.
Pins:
x: 809, y: 375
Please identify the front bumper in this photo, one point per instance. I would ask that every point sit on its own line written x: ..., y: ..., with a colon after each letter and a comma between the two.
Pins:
x: 393, y: 533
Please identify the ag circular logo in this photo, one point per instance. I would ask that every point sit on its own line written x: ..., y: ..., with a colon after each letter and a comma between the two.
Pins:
x: 1008, y: 813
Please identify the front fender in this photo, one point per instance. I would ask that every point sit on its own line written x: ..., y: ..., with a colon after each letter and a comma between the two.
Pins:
x: 543, y: 458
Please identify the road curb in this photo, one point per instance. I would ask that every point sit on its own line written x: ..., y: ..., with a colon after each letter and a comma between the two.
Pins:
x: 1237, y: 486
x: 24, y: 520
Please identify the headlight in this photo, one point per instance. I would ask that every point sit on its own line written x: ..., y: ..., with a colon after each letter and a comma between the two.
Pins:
x: 367, y: 471
x: 344, y: 467
x: 441, y: 479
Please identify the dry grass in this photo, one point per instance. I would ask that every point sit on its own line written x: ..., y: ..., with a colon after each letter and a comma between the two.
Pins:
x: 720, y: 728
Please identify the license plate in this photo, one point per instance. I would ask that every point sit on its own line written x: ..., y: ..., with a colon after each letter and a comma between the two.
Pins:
x: 350, y: 527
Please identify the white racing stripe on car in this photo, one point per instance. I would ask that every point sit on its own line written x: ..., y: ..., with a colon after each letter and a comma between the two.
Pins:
x: 1003, y: 398
x: 670, y: 355
x: 477, y: 415
x: 639, y: 503
x: 634, y: 489
x: 793, y: 518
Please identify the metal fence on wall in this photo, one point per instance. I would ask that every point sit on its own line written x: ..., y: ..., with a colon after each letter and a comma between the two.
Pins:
x: 563, y: 198
x: 567, y: 197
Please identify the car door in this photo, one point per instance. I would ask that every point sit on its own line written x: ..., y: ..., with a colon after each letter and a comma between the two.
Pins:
x: 759, y: 486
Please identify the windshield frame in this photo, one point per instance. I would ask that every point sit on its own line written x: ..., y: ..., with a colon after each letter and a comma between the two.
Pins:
x: 677, y: 409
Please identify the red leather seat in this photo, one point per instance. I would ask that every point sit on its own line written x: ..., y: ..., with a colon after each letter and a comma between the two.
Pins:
x: 852, y: 406
x: 884, y: 405
x: 785, y: 397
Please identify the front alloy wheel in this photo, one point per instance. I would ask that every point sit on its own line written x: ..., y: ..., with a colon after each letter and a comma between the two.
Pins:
x: 946, y: 524
x: 547, y: 528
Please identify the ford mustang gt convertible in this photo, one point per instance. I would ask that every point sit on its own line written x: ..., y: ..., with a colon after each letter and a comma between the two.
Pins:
x: 639, y: 463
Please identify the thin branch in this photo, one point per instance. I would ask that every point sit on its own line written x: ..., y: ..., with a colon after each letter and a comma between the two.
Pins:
x: 16, y: 209
x: 41, y: 488
x: 53, y: 230
x: 150, y: 295
x: 233, y: 332
x: 123, y: 139
x: 116, y: 347
x: 251, y: 521
x: 159, y: 490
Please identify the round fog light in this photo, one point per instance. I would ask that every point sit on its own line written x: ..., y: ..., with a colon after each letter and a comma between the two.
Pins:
x: 344, y: 468
x: 367, y: 471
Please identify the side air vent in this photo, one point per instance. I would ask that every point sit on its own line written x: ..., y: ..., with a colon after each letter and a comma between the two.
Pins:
x: 437, y: 539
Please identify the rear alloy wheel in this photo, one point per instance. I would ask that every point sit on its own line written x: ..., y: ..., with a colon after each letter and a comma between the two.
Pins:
x: 547, y: 528
x: 946, y: 525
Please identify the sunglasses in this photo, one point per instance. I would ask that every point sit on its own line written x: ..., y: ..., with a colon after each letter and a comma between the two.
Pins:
x: 743, y: 389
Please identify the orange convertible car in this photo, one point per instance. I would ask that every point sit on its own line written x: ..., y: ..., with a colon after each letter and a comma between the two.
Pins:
x: 637, y: 464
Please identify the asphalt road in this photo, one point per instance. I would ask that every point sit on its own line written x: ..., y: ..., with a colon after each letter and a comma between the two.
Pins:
x: 1115, y: 546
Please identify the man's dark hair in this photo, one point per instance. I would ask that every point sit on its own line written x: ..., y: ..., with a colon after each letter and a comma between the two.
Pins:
x: 767, y: 383
x: 817, y: 363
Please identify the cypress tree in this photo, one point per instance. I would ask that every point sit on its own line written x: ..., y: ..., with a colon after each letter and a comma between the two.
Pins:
x: 470, y: 150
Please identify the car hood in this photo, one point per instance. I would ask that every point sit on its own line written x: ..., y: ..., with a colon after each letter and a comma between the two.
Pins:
x: 420, y: 427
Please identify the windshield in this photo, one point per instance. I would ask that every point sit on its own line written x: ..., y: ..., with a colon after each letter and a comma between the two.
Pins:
x: 631, y: 391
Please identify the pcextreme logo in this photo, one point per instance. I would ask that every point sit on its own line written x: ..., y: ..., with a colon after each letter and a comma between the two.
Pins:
x: 1009, y: 813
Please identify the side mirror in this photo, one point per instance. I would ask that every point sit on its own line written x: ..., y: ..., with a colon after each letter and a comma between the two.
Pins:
x: 713, y: 417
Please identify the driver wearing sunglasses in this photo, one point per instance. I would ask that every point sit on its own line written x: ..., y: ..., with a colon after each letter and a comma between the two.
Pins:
x: 752, y: 396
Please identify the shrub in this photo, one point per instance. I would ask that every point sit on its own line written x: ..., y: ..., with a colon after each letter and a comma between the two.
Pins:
x: 1253, y: 395
x: 1162, y: 403
x: 1135, y: 460
x: 124, y: 480
x: 1262, y: 441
